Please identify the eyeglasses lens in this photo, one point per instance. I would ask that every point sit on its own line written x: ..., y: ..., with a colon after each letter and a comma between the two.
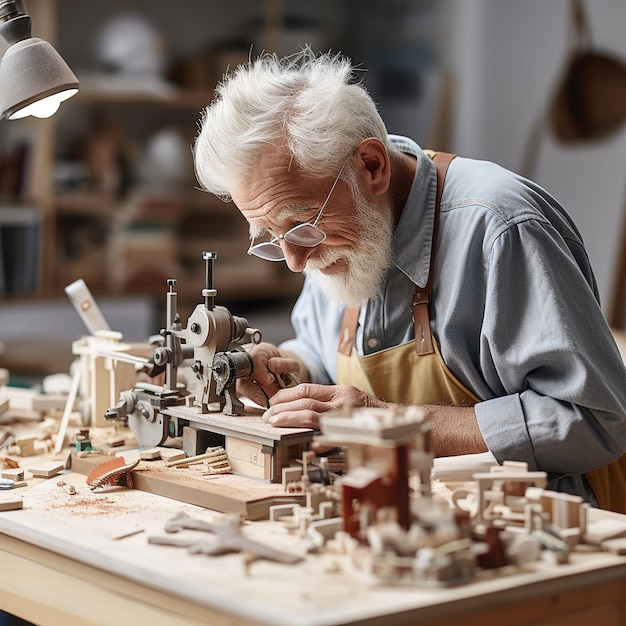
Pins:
x: 268, y: 251
x: 305, y: 235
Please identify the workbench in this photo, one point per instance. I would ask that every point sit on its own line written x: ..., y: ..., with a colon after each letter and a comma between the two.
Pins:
x: 84, y: 558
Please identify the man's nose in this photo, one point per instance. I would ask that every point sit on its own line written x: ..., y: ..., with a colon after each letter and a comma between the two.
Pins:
x: 296, y: 256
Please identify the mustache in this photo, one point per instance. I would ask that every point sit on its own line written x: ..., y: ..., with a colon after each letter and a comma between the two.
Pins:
x: 326, y: 258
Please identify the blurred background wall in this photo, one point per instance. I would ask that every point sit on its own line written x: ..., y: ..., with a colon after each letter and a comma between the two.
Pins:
x: 508, y: 58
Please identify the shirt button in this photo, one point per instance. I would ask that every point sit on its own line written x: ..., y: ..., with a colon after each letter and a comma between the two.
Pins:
x: 372, y: 342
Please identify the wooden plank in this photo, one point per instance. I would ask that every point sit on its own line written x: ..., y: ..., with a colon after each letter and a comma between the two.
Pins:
x: 224, y: 493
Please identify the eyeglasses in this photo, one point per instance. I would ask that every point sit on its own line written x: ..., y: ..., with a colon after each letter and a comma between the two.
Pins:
x: 307, y: 235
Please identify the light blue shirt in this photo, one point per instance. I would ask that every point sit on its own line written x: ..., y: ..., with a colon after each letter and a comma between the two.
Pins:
x: 515, y: 311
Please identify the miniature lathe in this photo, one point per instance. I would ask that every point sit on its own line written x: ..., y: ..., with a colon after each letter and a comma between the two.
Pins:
x: 213, y: 343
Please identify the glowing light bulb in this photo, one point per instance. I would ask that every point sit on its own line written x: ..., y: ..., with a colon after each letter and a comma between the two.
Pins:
x: 45, y: 107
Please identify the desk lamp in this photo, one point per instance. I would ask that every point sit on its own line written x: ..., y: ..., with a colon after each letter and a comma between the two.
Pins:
x: 34, y: 79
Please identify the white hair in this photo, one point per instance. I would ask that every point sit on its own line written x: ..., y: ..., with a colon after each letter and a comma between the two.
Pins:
x: 309, y: 105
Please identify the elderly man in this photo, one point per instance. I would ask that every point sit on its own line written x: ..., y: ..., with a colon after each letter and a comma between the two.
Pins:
x: 452, y: 284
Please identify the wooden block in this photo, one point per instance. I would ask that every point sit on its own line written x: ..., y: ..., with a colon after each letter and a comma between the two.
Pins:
x: 10, y: 502
x: 172, y: 454
x: 26, y: 445
x: 46, y: 469
x: 4, y: 405
x: 150, y: 454
x: 16, y: 474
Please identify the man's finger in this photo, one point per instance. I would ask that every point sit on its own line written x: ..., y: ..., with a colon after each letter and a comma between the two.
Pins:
x: 303, y: 390
x: 285, y: 369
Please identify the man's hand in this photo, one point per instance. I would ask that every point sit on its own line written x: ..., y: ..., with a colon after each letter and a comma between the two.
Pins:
x: 272, y: 371
x: 301, y: 406
x: 454, y: 429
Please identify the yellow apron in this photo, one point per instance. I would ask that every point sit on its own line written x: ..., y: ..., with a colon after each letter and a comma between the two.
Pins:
x: 383, y: 374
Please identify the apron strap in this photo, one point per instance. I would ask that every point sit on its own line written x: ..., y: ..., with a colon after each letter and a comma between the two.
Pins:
x: 348, y: 330
x: 421, y: 297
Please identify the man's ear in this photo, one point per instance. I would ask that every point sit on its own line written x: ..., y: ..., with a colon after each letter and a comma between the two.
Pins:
x: 373, y: 165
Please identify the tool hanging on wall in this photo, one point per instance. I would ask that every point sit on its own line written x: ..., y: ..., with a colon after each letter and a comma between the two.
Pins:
x: 589, y: 101
x: 588, y: 104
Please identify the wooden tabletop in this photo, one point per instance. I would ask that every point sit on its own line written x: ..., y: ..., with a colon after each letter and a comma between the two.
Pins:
x: 84, y: 558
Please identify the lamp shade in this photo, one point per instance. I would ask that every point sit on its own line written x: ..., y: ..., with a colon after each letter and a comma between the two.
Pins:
x: 34, y: 79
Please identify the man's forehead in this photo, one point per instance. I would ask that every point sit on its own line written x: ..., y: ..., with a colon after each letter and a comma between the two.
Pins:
x: 269, y: 169
x: 275, y: 188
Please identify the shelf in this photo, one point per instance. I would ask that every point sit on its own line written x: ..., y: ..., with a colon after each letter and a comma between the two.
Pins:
x: 163, y: 95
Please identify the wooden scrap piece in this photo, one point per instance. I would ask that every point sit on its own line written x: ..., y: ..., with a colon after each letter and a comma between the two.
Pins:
x: 46, y: 469
x: 109, y: 473
x: 16, y: 474
x: 150, y: 454
x: 26, y: 446
x: 7, y: 461
x: 172, y: 454
x: 10, y: 502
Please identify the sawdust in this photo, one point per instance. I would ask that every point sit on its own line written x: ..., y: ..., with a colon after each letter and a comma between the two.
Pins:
x: 116, y: 505
x: 88, y: 507
x: 83, y: 503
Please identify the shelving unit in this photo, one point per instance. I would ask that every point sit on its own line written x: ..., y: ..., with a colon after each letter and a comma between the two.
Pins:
x: 103, y: 219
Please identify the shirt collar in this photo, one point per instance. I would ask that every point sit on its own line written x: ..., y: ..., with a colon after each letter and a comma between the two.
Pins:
x: 413, y: 236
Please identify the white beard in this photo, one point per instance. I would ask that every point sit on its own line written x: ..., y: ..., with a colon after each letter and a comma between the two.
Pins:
x: 366, y: 263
